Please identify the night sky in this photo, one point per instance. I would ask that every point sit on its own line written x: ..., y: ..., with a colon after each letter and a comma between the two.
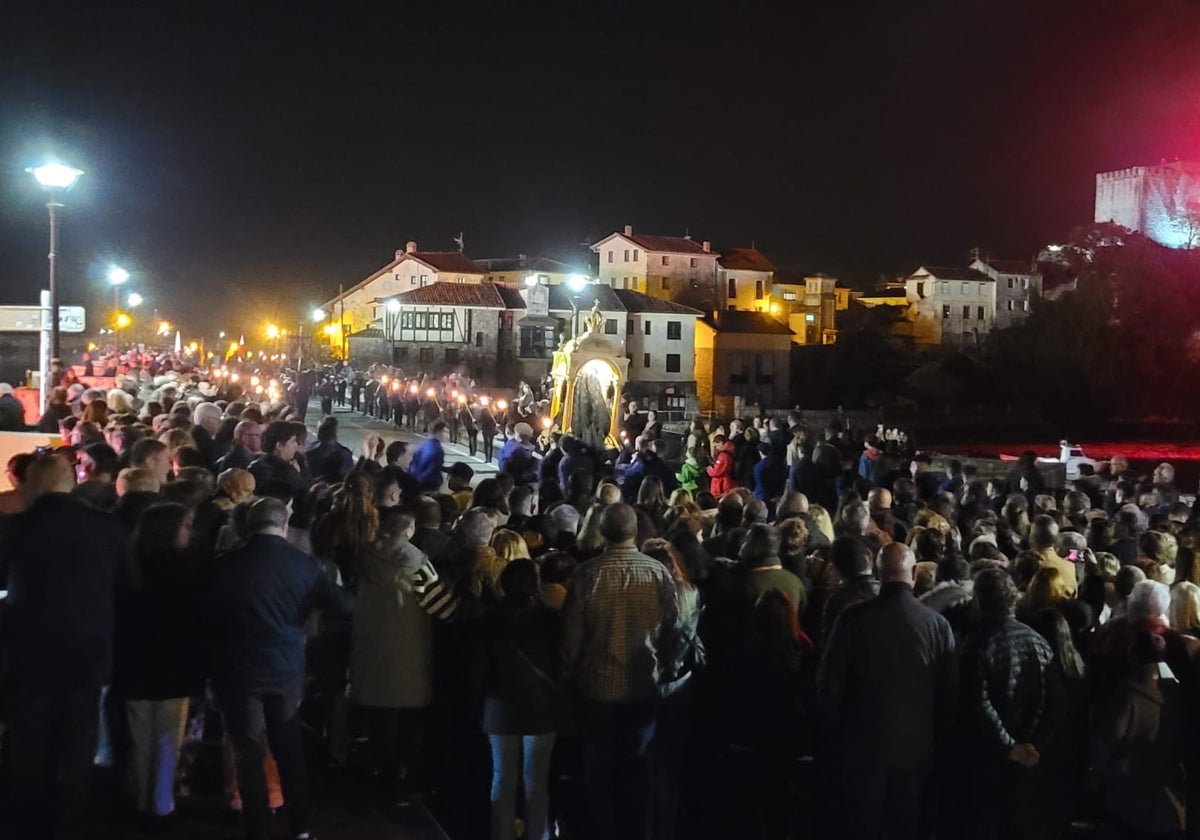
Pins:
x: 247, y: 157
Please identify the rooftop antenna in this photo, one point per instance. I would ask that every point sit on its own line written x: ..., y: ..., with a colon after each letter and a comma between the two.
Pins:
x: 460, y: 242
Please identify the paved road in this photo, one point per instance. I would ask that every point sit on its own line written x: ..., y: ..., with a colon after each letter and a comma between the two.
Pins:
x: 353, y: 429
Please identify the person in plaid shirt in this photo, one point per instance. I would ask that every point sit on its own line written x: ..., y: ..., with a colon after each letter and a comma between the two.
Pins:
x: 621, y: 641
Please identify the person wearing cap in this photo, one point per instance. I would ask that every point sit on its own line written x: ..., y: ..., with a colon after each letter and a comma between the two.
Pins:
x: 12, y: 412
x: 429, y: 459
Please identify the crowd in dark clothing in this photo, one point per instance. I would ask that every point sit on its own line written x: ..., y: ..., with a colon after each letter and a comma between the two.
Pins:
x: 685, y: 638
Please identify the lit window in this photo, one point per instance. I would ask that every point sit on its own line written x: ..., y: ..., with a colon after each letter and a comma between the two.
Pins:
x: 1025, y: 283
x: 1025, y: 305
x: 789, y: 295
x: 672, y: 363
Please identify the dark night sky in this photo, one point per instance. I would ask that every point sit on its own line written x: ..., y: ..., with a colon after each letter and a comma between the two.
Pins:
x: 244, y: 158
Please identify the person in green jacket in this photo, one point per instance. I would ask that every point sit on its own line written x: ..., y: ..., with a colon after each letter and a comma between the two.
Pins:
x: 689, y: 473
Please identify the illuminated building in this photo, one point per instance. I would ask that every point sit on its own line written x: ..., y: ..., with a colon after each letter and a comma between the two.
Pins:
x: 1162, y: 202
x: 675, y: 268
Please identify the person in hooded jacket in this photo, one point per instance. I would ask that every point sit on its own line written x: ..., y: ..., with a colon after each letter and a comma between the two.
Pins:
x: 721, y: 470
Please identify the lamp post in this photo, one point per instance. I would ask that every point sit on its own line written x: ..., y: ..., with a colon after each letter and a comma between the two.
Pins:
x: 54, y: 177
x: 117, y: 276
x: 393, y: 312
x: 576, y: 283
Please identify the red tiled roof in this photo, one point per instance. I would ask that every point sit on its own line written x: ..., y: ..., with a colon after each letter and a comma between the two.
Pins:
x: 744, y: 321
x: 745, y: 259
x: 952, y: 272
x: 479, y: 295
x: 673, y: 244
x: 451, y: 262
x: 638, y: 302
x: 535, y: 264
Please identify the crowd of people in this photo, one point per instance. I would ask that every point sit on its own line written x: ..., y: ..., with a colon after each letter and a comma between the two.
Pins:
x: 775, y: 631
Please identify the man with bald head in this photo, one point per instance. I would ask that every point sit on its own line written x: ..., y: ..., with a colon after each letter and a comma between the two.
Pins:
x: 61, y: 557
x: 621, y: 640
x: 885, y: 690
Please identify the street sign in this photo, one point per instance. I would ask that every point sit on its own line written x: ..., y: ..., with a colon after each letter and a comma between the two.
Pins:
x: 29, y: 319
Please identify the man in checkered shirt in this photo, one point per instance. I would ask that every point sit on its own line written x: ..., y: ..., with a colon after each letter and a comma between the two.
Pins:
x: 621, y: 640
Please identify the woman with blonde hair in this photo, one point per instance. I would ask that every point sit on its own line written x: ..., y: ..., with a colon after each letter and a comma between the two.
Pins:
x: 1049, y: 588
x: 1184, y: 611
x: 507, y: 545
x: 819, y: 517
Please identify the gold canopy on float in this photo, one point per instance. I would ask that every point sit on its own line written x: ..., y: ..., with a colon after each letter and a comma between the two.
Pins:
x: 589, y: 372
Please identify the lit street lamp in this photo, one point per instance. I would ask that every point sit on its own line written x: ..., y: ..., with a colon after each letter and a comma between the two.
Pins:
x: 117, y: 276
x: 576, y: 283
x: 134, y: 300
x: 53, y: 177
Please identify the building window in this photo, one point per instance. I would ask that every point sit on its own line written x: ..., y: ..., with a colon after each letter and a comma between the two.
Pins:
x: 647, y: 327
x: 610, y: 256
x: 635, y: 254
x: 1024, y: 282
x: 966, y: 313
x: 1010, y: 306
x: 452, y: 356
x: 945, y: 288
x: 983, y: 288
x: 672, y: 363
x: 674, y: 330
x: 789, y: 295
x: 628, y: 326
x: 610, y: 326
x: 1025, y: 305
x: 666, y: 283
x: 666, y: 260
x: 920, y: 290
x: 424, y: 280
x: 626, y: 255
x: 674, y: 402
x: 426, y: 354
x: 966, y: 288
x: 537, y: 342
x: 945, y: 311
x: 695, y: 262
x: 478, y: 339
x: 758, y: 290
x: 401, y: 352
x: 732, y: 289
x: 645, y: 360
x: 412, y: 280
x: 979, y: 313
x: 1011, y: 282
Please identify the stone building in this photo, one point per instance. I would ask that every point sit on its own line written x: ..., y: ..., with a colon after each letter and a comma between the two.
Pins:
x: 1162, y: 202
x: 744, y: 355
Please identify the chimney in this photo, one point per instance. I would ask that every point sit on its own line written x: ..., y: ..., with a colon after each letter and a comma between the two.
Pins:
x: 707, y: 246
x: 399, y: 254
x: 410, y: 248
x: 629, y: 230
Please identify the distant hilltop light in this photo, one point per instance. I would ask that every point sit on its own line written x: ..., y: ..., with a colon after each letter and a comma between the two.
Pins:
x: 1162, y: 201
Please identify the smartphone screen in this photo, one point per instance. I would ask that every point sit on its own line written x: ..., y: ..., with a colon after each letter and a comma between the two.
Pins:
x: 1073, y: 555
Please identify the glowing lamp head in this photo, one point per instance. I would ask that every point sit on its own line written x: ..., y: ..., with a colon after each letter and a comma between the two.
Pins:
x: 317, y: 315
x: 384, y: 379
x: 254, y: 380
x: 272, y: 331
x: 462, y: 399
x: 484, y: 399
x: 577, y: 282
x: 431, y: 393
x: 397, y: 385
x: 258, y: 389
x: 774, y: 308
x: 413, y: 389
x: 56, y: 176
x: 393, y: 305
x: 117, y: 275
x: 193, y: 347
x: 501, y: 404
x: 135, y: 299
x: 233, y: 377
x: 547, y: 423
x: 123, y: 321
x: 531, y: 280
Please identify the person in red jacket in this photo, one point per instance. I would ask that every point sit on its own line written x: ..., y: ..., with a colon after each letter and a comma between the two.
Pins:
x: 721, y: 470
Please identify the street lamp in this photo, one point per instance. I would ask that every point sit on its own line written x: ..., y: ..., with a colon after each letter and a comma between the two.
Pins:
x: 318, y: 315
x: 117, y: 276
x: 576, y: 283
x: 134, y: 300
x: 53, y: 177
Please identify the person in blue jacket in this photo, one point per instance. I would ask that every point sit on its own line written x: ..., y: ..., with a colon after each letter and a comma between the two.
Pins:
x: 429, y: 459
